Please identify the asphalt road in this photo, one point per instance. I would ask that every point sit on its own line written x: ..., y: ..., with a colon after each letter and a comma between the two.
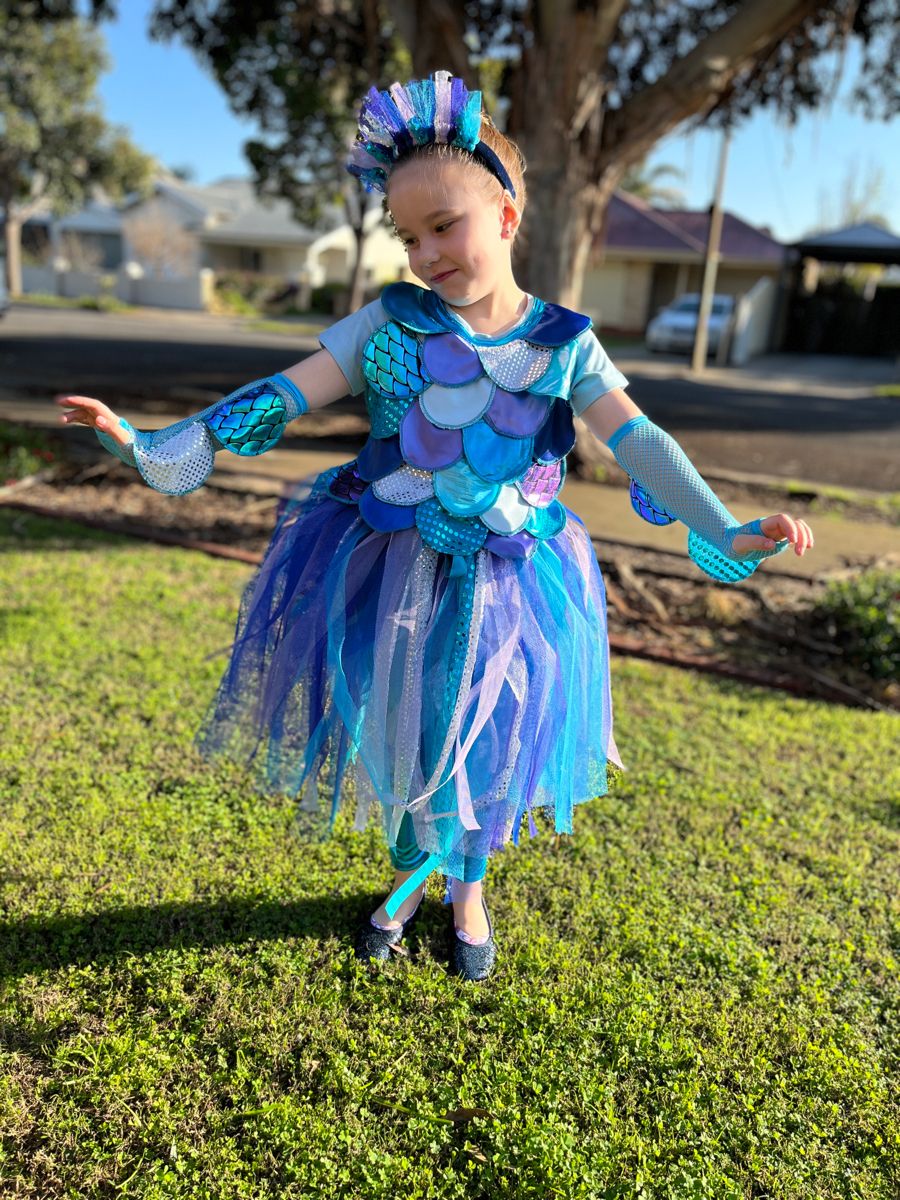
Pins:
x: 822, y: 435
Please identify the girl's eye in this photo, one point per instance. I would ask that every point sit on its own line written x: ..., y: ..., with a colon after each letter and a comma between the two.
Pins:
x: 446, y: 225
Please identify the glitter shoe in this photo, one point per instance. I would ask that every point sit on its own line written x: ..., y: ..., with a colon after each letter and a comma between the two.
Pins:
x: 374, y: 942
x: 474, y: 962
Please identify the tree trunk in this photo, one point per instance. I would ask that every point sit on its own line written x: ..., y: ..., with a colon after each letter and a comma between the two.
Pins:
x: 560, y: 238
x: 13, y: 243
x: 561, y: 142
x: 355, y: 208
x: 356, y: 295
x: 557, y: 111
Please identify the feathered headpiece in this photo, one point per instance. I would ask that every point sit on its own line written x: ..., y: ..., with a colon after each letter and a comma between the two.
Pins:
x: 393, y: 122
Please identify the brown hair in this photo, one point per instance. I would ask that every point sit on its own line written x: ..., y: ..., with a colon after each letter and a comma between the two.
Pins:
x: 486, y: 181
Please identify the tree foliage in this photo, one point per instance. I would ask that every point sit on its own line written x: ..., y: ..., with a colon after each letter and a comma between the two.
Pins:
x: 55, y: 146
x: 589, y: 86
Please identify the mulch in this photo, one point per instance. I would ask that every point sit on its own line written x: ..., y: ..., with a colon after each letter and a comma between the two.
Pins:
x: 660, y: 606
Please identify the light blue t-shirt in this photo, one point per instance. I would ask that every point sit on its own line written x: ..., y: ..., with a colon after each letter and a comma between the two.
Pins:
x: 592, y: 372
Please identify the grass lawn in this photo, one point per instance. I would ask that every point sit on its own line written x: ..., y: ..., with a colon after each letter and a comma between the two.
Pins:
x: 696, y: 996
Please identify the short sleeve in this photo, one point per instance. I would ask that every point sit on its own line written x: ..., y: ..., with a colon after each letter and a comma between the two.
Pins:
x: 594, y: 374
x: 344, y: 341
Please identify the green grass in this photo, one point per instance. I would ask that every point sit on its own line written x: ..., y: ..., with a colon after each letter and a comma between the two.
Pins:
x: 291, y: 328
x: 98, y: 303
x: 696, y: 995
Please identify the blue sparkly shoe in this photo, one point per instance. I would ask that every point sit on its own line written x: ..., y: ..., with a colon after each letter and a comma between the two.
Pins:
x: 474, y: 962
x: 374, y: 942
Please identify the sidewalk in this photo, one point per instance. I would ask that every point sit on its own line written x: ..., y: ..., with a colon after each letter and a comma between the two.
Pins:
x: 837, y: 376
x: 605, y: 511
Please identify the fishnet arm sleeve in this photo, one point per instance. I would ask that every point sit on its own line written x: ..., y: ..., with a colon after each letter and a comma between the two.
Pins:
x: 655, y: 460
x: 179, y: 458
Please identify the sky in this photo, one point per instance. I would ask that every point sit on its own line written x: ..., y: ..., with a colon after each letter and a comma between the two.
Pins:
x: 787, y: 180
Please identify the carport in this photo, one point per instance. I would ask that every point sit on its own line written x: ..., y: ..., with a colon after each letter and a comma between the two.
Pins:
x: 827, y: 314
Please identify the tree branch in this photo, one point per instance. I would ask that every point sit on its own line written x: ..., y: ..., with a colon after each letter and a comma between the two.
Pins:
x: 433, y: 30
x: 701, y: 77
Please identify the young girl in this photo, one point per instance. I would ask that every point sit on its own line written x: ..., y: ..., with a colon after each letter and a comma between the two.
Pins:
x: 429, y: 618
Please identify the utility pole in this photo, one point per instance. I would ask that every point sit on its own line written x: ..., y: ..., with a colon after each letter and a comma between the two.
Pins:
x: 711, y: 265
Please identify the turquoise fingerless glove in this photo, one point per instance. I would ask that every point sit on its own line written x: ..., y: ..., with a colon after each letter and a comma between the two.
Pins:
x: 656, y: 462
x: 179, y: 458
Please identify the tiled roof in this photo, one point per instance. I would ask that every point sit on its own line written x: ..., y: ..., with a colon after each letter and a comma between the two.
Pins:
x: 633, y: 224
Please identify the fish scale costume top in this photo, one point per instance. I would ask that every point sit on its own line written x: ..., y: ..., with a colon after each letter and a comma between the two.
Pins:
x: 428, y: 626
x: 469, y: 435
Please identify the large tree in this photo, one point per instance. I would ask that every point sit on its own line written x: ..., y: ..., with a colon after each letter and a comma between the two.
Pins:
x: 55, y: 148
x: 592, y: 85
x: 298, y: 69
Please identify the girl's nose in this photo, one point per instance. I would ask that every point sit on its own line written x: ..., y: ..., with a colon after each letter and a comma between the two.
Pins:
x: 428, y: 253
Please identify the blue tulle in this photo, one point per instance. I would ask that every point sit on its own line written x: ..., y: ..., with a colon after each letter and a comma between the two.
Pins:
x: 343, y: 660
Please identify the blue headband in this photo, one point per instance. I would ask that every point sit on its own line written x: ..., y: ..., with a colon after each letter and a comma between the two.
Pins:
x: 393, y: 123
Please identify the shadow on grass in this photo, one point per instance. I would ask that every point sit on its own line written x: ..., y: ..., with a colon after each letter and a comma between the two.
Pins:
x: 36, y: 944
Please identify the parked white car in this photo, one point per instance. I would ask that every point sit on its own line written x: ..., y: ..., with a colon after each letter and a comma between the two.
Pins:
x: 674, y: 327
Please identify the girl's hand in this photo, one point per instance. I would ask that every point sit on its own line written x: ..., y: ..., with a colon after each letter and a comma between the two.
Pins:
x: 85, y: 411
x: 776, y: 528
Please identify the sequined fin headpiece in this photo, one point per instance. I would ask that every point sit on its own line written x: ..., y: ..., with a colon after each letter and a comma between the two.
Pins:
x: 393, y: 122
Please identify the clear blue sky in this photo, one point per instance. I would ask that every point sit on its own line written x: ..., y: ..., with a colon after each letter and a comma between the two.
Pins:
x: 776, y: 177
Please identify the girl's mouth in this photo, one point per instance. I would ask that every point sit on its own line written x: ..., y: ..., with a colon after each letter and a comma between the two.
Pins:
x: 440, y: 278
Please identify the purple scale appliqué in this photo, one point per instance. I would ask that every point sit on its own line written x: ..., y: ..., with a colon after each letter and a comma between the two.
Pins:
x: 645, y: 506
x: 540, y: 483
x: 518, y: 413
x: 428, y: 446
x: 449, y: 360
x: 347, y: 485
x: 511, y: 545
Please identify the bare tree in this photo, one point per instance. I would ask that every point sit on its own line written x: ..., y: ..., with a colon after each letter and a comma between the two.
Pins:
x: 81, y: 253
x: 160, y: 243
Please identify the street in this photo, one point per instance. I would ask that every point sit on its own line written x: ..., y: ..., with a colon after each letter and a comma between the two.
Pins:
x: 763, y: 425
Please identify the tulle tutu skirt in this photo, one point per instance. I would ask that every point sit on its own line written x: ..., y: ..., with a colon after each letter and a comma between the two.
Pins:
x: 361, y: 666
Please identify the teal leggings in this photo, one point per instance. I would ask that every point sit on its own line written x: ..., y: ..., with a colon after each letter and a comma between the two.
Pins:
x: 406, y: 855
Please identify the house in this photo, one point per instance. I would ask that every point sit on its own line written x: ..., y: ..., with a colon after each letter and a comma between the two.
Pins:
x: 166, y: 249
x: 646, y: 256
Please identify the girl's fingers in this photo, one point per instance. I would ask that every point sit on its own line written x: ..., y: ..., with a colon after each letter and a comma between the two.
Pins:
x: 797, y: 532
x: 85, y: 410
x: 789, y: 526
x: 77, y: 401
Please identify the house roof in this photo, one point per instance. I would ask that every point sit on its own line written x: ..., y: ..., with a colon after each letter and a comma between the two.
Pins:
x: 864, y: 242
x: 233, y: 212
x: 633, y: 224
x: 227, y: 210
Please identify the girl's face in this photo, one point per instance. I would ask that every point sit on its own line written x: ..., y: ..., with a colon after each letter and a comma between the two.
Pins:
x: 458, y: 240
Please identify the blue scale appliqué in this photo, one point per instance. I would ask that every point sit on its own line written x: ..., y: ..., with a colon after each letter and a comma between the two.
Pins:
x: 476, y: 497
x: 448, y: 534
x: 251, y: 424
x: 462, y: 492
x: 392, y: 361
x: 386, y: 412
x: 547, y: 522
x: 556, y: 437
x: 378, y: 457
x: 496, y: 457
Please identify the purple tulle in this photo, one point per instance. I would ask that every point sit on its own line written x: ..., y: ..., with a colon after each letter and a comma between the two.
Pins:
x: 339, y: 669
